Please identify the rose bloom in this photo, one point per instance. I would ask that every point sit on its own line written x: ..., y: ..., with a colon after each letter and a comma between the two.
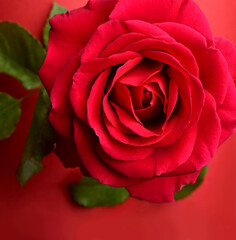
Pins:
x: 142, y: 93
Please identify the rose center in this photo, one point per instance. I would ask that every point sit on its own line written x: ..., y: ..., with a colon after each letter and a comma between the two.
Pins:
x: 147, y: 97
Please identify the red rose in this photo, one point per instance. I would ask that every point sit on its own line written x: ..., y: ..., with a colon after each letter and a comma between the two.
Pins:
x: 142, y: 93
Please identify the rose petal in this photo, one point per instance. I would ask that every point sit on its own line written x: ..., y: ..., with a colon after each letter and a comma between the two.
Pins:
x: 172, y: 97
x: 229, y: 52
x: 170, y: 157
x: 151, y: 112
x: 138, y: 75
x: 227, y: 113
x: 108, y: 40
x: 108, y: 112
x: 207, y: 141
x: 112, y: 147
x: 155, y: 11
x: 120, y: 95
x: 178, y: 51
x: 190, y: 92
x: 130, y: 139
x: 185, y: 35
x: 84, y: 78
x: 69, y: 34
x: 131, y: 123
x: 214, y: 69
x: 61, y: 113
x: 85, y: 142
x: 119, y: 42
x: 161, y: 189
x: 144, y: 168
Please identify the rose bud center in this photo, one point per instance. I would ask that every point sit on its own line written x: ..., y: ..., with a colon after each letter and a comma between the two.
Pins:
x: 147, y: 97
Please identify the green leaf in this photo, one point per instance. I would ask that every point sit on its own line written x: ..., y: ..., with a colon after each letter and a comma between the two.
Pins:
x: 21, y: 55
x: 39, y: 140
x: 188, y: 189
x: 10, y: 112
x: 90, y: 193
x: 56, y: 9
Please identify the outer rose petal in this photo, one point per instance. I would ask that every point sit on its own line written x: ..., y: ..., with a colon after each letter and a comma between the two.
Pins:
x: 69, y: 34
x: 161, y: 189
x: 61, y: 113
x: 207, y: 141
x: 105, y: 36
x: 229, y: 52
x: 159, y: 162
x: 153, y: 11
x: 212, y: 65
x: 85, y: 141
x: 144, y: 168
x: 227, y: 113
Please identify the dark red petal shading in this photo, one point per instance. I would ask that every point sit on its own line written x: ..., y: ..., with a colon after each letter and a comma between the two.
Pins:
x: 131, y: 123
x: 66, y: 151
x: 151, y: 112
x: 190, y: 91
x: 108, y: 111
x: 69, y: 34
x: 155, y: 11
x: 161, y: 189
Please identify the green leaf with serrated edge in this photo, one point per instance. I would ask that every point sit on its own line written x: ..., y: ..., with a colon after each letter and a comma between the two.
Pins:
x: 39, y: 140
x: 10, y: 112
x: 56, y: 9
x: 189, y: 188
x: 90, y: 193
x: 21, y: 54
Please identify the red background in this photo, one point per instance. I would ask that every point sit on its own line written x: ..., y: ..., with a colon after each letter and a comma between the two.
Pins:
x: 43, y: 210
